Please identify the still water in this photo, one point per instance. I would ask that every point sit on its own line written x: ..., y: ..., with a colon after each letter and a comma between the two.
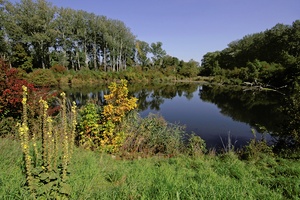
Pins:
x: 213, y: 113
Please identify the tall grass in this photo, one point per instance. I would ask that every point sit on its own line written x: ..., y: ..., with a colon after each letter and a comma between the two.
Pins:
x: 12, y: 181
x: 151, y: 136
x: 101, y: 176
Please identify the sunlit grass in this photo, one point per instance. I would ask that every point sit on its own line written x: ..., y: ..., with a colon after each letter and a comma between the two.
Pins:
x: 102, y: 176
x: 12, y: 179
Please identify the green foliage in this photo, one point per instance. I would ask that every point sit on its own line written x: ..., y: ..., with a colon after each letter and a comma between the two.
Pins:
x: 8, y: 126
x: 142, y: 50
x: 39, y: 27
x: 256, y: 149
x: 268, y: 58
x: 151, y: 135
x: 21, y: 59
x: 58, y: 59
x: 43, y: 77
x: 289, y: 134
x: 210, y: 64
x: 190, y: 69
x: 89, y: 127
x: 158, y: 53
x: 196, y: 145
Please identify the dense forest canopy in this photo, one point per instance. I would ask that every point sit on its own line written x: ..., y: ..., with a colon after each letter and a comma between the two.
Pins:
x: 270, y: 57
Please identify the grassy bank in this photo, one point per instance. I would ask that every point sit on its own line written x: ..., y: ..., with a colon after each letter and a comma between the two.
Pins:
x: 102, y: 176
x: 129, y: 157
x: 60, y: 76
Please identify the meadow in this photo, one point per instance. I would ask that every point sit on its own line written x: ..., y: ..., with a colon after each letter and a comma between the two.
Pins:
x: 95, y: 175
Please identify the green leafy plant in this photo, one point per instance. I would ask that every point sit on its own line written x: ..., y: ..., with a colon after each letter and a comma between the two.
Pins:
x: 43, y: 77
x: 150, y: 136
x: 89, y: 128
x: 196, y: 145
x: 256, y: 148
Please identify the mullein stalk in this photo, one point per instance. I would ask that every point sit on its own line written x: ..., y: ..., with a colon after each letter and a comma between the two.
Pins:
x: 50, y: 145
x: 56, y: 151
x: 73, y: 128
x: 36, y: 152
x: 24, y: 136
x: 45, y: 142
x: 65, y: 156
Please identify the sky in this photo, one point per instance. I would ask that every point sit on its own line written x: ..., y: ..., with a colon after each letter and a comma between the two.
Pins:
x: 189, y: 29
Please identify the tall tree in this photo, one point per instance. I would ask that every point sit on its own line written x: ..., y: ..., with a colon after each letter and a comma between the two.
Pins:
x: 64, y: 36
x: 30, y: 23
x: 80, y: 34
x: 93, y: 38
x: 3, y: 45
x: 64, y: 23
x: 158, y: 53
x: 143, y: 49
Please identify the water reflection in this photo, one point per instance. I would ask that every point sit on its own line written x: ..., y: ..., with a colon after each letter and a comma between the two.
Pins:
x: 256, y: 108
x: 211, y: 112
x: 83, y: 95
x: 153, y: 96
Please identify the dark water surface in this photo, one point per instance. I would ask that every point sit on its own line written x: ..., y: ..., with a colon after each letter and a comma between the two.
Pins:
x: 214, y: 113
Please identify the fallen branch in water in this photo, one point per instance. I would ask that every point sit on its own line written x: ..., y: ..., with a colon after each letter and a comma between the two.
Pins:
x: 261, y: 87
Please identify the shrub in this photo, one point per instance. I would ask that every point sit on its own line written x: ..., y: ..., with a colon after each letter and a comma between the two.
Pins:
x: 43, y: 77
x: 11, y: 90
x: 256, y: 148
x: 98, y: 130
x: 59, y: 69
x: 8, y: 126
x: 196, y: 145
x: 151, y: 135
x: 89, y: 127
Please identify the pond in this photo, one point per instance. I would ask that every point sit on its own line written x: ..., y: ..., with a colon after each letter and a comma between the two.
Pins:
x: 216, y: 114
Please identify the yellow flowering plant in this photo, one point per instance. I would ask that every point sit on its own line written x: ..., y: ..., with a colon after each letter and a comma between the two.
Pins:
x: 46, y: 165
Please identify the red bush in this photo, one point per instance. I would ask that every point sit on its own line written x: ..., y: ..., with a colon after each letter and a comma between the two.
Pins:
x: 11, y: 92
x: 11, y: 89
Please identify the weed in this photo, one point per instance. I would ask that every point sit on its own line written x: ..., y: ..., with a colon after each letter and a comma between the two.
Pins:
x: 46, y: 167
x: 196, y: 145
x: 151, y: 135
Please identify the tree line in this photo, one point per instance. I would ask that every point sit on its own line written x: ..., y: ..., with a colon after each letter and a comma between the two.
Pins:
x: 36, y: 34
x: 269, y: 57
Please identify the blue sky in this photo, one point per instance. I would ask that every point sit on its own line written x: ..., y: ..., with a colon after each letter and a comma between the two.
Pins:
x: 190, y: 28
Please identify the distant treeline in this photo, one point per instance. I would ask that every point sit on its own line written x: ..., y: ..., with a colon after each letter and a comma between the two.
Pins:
x: 35, y: 34
x: 271, y: 57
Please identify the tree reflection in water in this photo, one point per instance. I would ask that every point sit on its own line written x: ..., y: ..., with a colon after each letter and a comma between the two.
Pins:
x: 256, y: 108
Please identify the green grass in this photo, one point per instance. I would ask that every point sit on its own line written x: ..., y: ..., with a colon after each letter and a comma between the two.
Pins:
x: 11, y: 177
x: 102, y: 176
